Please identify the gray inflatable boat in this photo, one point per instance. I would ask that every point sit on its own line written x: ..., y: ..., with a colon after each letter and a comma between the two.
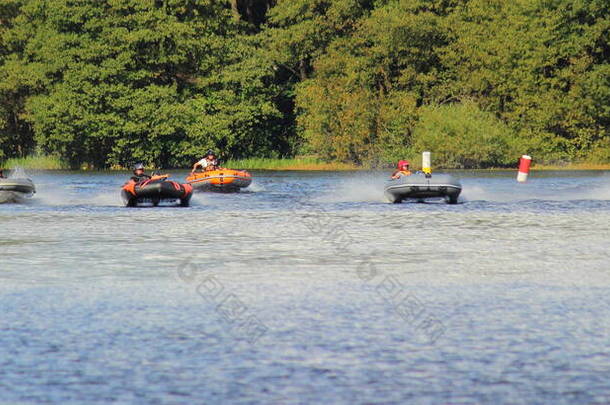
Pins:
x: 16, y: 190
x: 420, y: 187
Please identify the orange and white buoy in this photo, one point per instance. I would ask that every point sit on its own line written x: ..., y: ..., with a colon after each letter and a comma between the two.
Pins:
x: 524, y: 168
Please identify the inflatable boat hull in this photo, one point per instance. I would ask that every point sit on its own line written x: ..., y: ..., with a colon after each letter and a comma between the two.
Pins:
x: 156, y: 191
x: 16, y: 190
x: 419, y: 187
x: 220, y: 180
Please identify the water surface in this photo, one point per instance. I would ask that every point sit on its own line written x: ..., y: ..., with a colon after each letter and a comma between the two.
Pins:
x: 308, y: 288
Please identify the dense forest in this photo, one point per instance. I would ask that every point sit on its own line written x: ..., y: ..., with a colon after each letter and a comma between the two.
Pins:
x: 479, y: 82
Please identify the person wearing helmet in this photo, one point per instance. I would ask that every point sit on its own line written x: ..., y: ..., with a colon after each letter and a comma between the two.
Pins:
x: 209, y: 162
x: 138, y: 173
x: 402, y: 169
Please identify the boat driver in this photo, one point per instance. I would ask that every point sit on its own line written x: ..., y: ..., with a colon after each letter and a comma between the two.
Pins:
x: 402, y: 169
x: 2, y: 174
x: 138, y: 173
x: 209, y: 162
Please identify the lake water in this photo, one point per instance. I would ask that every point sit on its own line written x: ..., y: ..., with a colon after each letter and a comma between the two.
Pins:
x: 308, y: 288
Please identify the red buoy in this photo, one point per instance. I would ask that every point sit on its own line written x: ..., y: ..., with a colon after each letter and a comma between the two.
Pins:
x: 524, y: 168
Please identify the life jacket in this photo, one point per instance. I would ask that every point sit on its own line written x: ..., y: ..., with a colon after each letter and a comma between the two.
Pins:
x: 139, y: 179
x: 209, y: 164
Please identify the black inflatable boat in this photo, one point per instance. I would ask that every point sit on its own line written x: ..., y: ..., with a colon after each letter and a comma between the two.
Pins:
x: 16, y: 189
x: 156, y: 190
x: 421, y: 187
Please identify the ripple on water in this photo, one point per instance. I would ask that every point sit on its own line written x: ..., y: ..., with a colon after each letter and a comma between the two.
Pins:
x: 102, y: 303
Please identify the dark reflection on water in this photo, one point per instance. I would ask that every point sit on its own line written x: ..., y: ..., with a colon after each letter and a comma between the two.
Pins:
x: 308, y: 288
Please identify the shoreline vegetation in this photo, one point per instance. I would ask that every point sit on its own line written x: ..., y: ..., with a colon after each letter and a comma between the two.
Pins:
x: 306, y: 164
x: 103, y: 85
x: 279, y: 164
x: 35, y: 163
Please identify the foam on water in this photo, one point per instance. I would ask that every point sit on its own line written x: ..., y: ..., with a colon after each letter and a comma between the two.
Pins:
x: 536, y: 189
x: 58, y: 196
x: 17, y: 173
x: 598, y: 191
x: 10, y: 197
x: 480, y: 193
x: 255, y: 187
x: 364, y: 188
x: 106, y: 198
x: 199, y: 200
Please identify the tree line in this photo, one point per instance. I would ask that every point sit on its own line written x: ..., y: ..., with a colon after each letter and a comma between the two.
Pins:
x: 479, y: 82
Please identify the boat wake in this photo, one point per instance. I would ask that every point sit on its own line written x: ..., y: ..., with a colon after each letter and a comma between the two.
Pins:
x: 199, y: 200
x: 254, y: 187
x: 106, y: 199
x: 58, y: 196
x: 599, y: 189
x: 361, y: 189
x: 18, y: 173
x: 479, y: 193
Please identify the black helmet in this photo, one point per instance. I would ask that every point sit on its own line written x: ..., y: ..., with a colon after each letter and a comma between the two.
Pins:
x: 210, y: 152
x: 138, y: 166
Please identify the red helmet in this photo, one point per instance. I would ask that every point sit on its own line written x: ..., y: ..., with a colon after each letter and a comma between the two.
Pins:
x: 403, y: 163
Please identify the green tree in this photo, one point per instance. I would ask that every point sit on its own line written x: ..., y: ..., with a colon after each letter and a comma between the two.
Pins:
x: 463, y: 136
x: 239, y: 111
x: 16, y: 136
x: 130, y: 80
x: 116, y: 81
x: 538, y: 65
x: 361, y: 104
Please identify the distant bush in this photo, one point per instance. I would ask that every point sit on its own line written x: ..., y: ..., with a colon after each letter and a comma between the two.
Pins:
x: 36, y: 163
x: 600, y: 152
x: 462, y: 136
x: 545, y: 148
x: 299, y: 163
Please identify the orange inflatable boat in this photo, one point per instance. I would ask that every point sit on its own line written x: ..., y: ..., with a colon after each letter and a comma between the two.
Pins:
x: 224, y: 180
x: 155, y: 190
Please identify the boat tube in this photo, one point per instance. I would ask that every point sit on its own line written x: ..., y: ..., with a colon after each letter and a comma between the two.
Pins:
x: 223, y: 180
x: 16, y: 190
x: 421, y: 187
x: 156, y: 190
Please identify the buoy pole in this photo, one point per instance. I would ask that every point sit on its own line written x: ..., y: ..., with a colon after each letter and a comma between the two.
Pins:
x: 524, y: 168
x: 426, y: 165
